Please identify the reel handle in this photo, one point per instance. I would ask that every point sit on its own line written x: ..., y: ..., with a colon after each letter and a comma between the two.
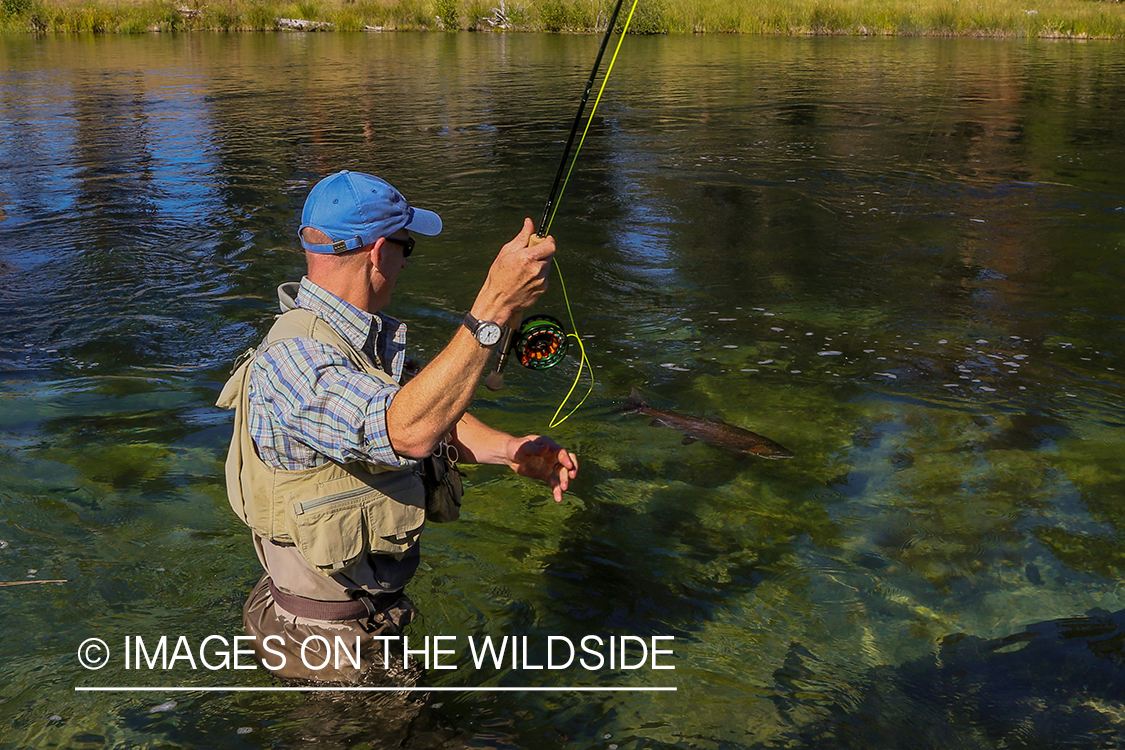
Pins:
x: 494, y: 381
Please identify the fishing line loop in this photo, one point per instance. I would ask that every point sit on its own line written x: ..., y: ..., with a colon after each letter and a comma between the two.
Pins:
x: 553, y: 201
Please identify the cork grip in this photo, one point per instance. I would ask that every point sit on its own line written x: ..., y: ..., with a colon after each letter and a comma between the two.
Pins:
x: 494, y: 381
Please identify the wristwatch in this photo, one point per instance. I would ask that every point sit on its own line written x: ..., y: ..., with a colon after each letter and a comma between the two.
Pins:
x: 485, y: 332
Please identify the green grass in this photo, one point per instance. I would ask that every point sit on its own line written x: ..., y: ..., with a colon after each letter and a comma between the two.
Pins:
x: 1078, y: 19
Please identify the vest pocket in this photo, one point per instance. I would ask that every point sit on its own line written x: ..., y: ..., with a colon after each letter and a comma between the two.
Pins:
x: 336, y: 528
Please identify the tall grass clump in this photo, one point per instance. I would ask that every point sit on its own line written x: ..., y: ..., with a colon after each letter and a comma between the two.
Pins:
x: 222, y: 16
x: 15, y: 16
x: 346, y: 19
x: 261, y: 16
x: 648, y: 18
x: 359, y: 14
x: 826, y: 17
x: 14, y: 8
x: 578, y: 16
x: 586, y: 15
x: 89, y: 17
x: 554, y: 15
x: 1082, y: 19
x: 944, y: 21
x: 447, y: 13
x: 711, y: 17
x: 410, y: 14
x: 1104, y: 22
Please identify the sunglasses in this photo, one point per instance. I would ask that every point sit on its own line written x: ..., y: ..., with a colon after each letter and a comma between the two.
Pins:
x: 407, y: 245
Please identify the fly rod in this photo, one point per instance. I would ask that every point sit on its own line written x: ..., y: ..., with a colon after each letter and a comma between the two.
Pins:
x: 549, y: 342
x: 544, y: 223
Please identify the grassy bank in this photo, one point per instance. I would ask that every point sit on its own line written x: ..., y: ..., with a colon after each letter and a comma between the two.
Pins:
x: 1080, y: 19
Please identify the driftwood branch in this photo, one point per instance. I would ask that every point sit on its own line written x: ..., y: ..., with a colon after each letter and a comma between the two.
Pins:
x: 24, y: 583
x: 300, y: 24
x: 499, y: 16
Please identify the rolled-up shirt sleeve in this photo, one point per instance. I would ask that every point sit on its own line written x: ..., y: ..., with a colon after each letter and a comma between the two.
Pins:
x: 319, y: 406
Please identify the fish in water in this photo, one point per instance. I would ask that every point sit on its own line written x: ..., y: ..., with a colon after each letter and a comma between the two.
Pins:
x: 719, y: 434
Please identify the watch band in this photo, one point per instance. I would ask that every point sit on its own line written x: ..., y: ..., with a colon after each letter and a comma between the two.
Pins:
x: 470, y: 322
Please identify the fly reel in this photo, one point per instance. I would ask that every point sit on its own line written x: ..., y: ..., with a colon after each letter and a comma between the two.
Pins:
x: 540, y: 343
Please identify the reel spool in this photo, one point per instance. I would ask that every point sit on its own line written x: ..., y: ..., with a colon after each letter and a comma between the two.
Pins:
x: 541, y: 342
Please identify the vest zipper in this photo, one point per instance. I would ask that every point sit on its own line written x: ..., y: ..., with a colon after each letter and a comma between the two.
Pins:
x: 303, y: 508
x: 320, y: 502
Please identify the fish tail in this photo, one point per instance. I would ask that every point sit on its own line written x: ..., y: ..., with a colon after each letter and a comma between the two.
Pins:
x: 634, y: 403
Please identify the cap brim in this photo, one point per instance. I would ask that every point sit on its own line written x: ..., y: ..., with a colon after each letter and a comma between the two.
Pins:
x: 425, y: 222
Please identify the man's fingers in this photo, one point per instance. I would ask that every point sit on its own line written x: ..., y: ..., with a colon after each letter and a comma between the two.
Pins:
x: 567, y: 460
x: 522, y: 239
x: 567, y: 469
x: 543, y: 250
x: 552, y: 463
x: 526, y: 232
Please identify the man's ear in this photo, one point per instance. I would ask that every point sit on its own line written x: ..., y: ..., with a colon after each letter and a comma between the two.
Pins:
x: 378, y: 252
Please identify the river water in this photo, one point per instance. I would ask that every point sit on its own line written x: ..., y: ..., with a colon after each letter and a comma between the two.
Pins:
x: 900, y: 258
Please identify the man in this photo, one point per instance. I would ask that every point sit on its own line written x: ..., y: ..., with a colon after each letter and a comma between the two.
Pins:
x: 327, y: 438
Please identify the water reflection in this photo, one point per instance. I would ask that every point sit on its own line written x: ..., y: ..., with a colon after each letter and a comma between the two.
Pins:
x: 893, y: 256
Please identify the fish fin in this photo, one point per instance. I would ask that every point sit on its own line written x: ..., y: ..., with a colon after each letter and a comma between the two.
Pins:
x: 634, y: 403
x: 772, y: 450
x: 688, y: 440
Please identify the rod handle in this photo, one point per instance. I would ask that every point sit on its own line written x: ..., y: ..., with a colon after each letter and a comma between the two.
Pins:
x: 494, y: 381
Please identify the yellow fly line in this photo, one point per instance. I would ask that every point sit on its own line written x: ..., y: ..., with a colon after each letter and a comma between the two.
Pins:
x: 583, y: 362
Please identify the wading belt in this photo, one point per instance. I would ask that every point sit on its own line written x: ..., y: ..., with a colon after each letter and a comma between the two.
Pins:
x: 361, y: 608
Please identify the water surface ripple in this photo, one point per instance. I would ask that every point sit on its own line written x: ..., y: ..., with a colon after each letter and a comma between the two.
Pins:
x: 899, y: 258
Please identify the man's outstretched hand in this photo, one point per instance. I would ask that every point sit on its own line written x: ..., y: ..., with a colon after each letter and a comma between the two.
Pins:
x: 541, y: 458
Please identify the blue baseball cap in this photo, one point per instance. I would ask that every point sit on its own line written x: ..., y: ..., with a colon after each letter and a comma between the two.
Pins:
x: 356, y: 209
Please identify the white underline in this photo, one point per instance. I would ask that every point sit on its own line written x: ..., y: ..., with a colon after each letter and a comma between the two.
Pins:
x: 187, y: 689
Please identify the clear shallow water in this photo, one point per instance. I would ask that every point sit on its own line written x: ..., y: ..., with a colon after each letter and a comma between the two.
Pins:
x: 899, y: 258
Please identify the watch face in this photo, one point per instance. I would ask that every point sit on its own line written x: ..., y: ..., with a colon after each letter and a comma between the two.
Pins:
x: 488, y: 333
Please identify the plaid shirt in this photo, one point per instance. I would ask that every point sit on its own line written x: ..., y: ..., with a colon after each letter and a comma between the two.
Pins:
x: 308, y: 403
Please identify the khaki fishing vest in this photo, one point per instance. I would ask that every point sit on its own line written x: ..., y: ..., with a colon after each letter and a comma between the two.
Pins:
x: 333, y: 513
